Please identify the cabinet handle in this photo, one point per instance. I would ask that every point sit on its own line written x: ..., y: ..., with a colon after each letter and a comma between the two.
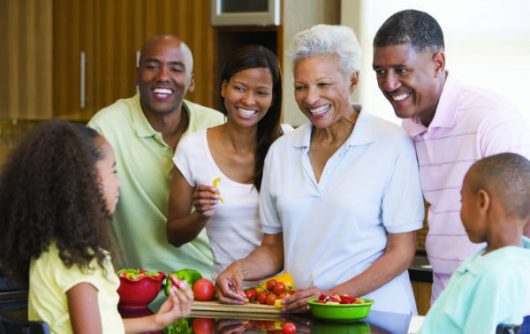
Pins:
x: 83, y: 81
x: 137, y: 58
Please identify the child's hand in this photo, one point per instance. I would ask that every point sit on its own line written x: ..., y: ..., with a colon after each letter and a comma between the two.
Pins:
x: 205, y: 198
x: 176, y: 306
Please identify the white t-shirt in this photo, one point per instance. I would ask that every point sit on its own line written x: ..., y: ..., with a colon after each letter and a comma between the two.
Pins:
x: 234, y: 229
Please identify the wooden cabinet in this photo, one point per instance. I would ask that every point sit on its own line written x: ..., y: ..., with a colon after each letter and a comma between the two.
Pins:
x: 26, y: 59
x: 97, y: 42
x: 70, y: 58
x: 422, y: 294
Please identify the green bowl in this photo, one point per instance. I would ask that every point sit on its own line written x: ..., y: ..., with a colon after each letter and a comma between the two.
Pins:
x: 341, y: 312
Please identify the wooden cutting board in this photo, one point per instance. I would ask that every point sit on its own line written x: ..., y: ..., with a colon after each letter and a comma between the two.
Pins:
x: 215, y: 306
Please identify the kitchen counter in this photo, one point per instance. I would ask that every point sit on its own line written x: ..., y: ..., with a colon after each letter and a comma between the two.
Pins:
x: 230, y: 322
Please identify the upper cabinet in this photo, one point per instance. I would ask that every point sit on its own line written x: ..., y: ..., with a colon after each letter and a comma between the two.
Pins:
x: 26, y: 59
x: 97, y: 44
x: 70, y: 58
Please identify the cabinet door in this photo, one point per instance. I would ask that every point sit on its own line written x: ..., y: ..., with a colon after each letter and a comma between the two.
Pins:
x: 26, y: 59
x: 119, y: 35
x: 73, y: 58
x: 189, y: 20
x: 95, y: 43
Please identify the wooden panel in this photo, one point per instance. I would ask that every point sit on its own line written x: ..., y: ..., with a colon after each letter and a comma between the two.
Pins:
x: 190, y: 20
x: 119, y: 28
x: 73, y: 22
x: 422, y: 294
x: 26, y: 58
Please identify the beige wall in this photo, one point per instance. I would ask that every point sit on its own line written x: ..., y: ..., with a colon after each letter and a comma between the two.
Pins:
x: 300, y: 15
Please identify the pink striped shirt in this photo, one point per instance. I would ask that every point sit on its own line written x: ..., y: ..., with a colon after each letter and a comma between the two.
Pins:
x: 468, y: 125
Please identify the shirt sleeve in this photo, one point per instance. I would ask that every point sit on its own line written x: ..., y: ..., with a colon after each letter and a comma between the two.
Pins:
x: 403, y: 208
x: 269, y: 218
x: 183, y: 161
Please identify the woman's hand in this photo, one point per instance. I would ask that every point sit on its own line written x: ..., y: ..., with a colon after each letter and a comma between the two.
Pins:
x: 230, y: 326
x: 204, y: 200
x: 229, y: 285
x: 297, y: 302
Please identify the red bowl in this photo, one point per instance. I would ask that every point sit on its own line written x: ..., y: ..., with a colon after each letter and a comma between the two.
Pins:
x: 138, y: 293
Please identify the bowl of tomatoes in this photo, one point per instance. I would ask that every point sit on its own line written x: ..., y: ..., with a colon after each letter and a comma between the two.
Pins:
x: 138, y: 287
x: 342, y: 308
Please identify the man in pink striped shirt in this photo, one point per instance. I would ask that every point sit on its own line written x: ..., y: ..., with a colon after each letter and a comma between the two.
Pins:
x: 452, y: 125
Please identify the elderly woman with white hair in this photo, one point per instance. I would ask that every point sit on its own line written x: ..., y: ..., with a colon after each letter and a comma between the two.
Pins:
x: 340, y: 199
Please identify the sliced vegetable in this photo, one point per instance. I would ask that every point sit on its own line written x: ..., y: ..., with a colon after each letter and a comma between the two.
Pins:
x: 215, y: 184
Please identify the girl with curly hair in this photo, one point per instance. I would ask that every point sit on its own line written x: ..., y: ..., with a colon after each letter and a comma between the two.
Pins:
x: 58, y: 191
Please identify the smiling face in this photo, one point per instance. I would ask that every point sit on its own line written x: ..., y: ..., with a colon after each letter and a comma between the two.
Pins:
x: 322, y: 91
x: 163, y: 75
x: 411, y: 80
x: 248, y: 96
x: 106, y: 168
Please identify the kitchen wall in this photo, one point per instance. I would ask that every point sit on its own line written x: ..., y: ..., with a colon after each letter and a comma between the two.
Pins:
x: 11, y: 131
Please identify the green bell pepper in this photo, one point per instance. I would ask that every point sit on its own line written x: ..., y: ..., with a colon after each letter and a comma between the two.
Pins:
x: 190, y: 276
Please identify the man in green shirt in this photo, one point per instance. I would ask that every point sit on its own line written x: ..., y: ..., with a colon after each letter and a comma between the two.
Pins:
x: 144, y: 131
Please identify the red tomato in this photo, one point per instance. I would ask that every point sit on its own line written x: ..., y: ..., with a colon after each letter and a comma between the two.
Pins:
x: 203, y: 289
x: 262, y: 297
x: 270, y: 284
x: 288, y: 328
x: 279, y: 287
x: 271, y: 297
x: 203, y: 326
x: 251, y: 294
x: 284, y: 295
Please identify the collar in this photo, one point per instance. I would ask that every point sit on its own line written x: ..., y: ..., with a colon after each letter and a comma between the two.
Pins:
x: 446, y: 110
x: 362, y: 133
x: 141, y: 125
x: 478, y: 263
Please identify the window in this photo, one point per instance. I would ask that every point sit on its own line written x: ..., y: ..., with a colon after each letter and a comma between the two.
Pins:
x: 487, y: 45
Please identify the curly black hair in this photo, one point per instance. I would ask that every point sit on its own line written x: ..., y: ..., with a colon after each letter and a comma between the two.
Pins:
x: 49, y: 192
x: 418, y: 28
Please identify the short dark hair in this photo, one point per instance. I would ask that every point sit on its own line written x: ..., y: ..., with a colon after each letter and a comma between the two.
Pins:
x: 418, y: 28
x: 257, y: 56
x: 508, y: 175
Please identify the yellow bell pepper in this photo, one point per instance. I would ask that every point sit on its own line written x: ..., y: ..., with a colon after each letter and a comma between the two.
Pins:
x: 285, y: 278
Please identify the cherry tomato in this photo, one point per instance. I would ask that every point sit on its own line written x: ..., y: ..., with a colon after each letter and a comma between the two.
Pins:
x: 279, y: 287
x: 288, y: 328
x: 203, y: 289
x: 284, y: 295
x: 203, y: 326
x: 271, y: 297
x: 262, y: 297
x: 251, y: 294
x: 270, y: 284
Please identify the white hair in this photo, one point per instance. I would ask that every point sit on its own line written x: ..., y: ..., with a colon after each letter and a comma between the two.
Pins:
x: 325, y: 39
